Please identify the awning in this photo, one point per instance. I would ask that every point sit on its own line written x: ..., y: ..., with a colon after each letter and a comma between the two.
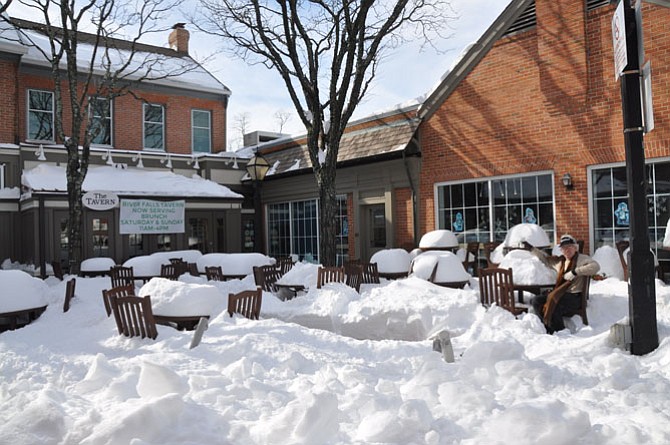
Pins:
x: 128, y: 182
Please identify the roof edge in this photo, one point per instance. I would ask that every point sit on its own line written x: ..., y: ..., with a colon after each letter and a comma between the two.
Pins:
x: 473, y: 56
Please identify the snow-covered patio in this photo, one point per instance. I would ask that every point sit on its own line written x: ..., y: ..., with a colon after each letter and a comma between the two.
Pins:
x: 334, y: 367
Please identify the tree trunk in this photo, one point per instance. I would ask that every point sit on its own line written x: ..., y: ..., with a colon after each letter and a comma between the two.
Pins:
x: 327, y: 217
x: 75, y: 179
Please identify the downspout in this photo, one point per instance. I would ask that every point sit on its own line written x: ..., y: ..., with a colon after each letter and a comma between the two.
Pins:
x: 42, y: 235
x: 415, y: 210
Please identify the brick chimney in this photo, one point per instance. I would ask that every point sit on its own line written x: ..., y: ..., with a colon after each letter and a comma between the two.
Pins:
x: 178, y: 38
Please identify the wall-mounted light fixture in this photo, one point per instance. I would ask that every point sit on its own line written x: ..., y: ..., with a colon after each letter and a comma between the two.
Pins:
x: 138, y: 158
x: 40, y: 154
x: 567, y: 181
x: 167, y: 160
x: 108, y: 156
x: 194, y: 161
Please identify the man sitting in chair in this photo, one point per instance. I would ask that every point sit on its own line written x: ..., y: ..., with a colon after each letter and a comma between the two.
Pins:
x: 572, y: 268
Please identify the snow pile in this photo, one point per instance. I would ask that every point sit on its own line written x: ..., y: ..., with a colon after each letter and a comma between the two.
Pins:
x: 301, y: 273
x: 527, y: 269
x: 21, y: 291
x: 531, y: 233
x: 438, y: 239
x: 610, y: 264
x: 334, y: 366
x: 234, y: 263
x: 449, y: 267
x: 174, y: 298
x: 97, y: 264
x: 10, y: 193
x: 392, y: 260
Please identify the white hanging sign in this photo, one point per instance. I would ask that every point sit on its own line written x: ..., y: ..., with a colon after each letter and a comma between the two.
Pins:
x: 148, y: 216
x: 619, y: 40
x: 96, y: 200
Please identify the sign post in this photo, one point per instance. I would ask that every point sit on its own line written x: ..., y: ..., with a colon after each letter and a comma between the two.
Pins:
x: 642, y: 286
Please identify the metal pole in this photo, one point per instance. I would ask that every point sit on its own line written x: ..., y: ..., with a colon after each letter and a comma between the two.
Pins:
x: 258, y: 217
x: 641, y: 286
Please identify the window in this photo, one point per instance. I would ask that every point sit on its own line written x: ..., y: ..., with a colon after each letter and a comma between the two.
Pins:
x: 100, y: 231
x: 197, y: 234
x: 154, y: 134
x: 40, y: 115
x: 610, y: 204
x: 485, y: 210
x: 135, y: 244
x: 293, y: 229
x: 101, y: 121
x: 201, y: 131
x: 164, y: 243
x: 2, y: 176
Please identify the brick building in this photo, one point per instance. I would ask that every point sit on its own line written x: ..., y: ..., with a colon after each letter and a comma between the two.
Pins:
x: 170, y: 125
x: 533, y: 102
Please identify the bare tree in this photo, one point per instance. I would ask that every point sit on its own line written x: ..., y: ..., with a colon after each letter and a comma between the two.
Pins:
x: 241, y: 121
x: 112, y: 68
x: 282, y: 117
x: 327, y: 54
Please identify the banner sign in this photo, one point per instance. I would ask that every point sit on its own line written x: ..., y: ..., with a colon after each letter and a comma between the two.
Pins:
x: 100, y: 200
x: 147, y: 216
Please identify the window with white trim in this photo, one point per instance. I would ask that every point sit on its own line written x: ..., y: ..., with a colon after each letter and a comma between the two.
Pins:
x: 154, y: 127
x: 610, y: 204
x: 101, y: 121
x: 485, y: 210
x: 2, y: 176
x: 293, y: 229
x: 201, y: 131
x: 40, y: 115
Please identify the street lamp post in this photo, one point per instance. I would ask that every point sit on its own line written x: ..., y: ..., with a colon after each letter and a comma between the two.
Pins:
x: 257, y: 167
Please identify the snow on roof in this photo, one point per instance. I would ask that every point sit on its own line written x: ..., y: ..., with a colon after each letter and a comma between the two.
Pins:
x: 182, y: 71
x: 129, y: 181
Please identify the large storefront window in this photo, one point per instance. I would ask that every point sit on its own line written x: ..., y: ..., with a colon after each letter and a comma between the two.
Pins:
x: 485, y: 210
x: 610, y: 204
x: 293, y: 229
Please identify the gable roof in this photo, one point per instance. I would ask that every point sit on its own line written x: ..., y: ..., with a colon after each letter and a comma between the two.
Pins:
x: 388, y: 139
x: 474, y: 54
x: 160, y: 60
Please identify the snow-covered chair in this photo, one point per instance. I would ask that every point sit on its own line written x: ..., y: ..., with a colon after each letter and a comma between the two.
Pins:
x: 134, y: 317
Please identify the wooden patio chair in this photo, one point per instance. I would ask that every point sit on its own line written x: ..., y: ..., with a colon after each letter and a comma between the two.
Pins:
x: 134, y: 317
x: 169, y: 271
x: 496, y: 286
x: 214, y: 273
x: 370, y: 273
x: 471, y: 251
x: 354, y: 276
x: 284, y: 264
x: 329, y: 275
x: 488, y: 250
x: 69, y: 293
x: 246, y: 303
x: 266, y: 277
x: 584, y: 298
x: 58, y: 269
x: 621, y: 247
x: 121, y: 276
x: 120, y: 291
x: 193, y: 269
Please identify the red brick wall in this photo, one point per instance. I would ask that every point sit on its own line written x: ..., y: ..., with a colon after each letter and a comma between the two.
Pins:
x: 517, y: 112
x: 8, y: 103
x: 128, y: 115
x: 403, y: 219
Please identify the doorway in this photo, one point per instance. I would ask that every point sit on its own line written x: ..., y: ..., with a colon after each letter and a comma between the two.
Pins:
x: 98, y: 235
x: 373, y: 230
